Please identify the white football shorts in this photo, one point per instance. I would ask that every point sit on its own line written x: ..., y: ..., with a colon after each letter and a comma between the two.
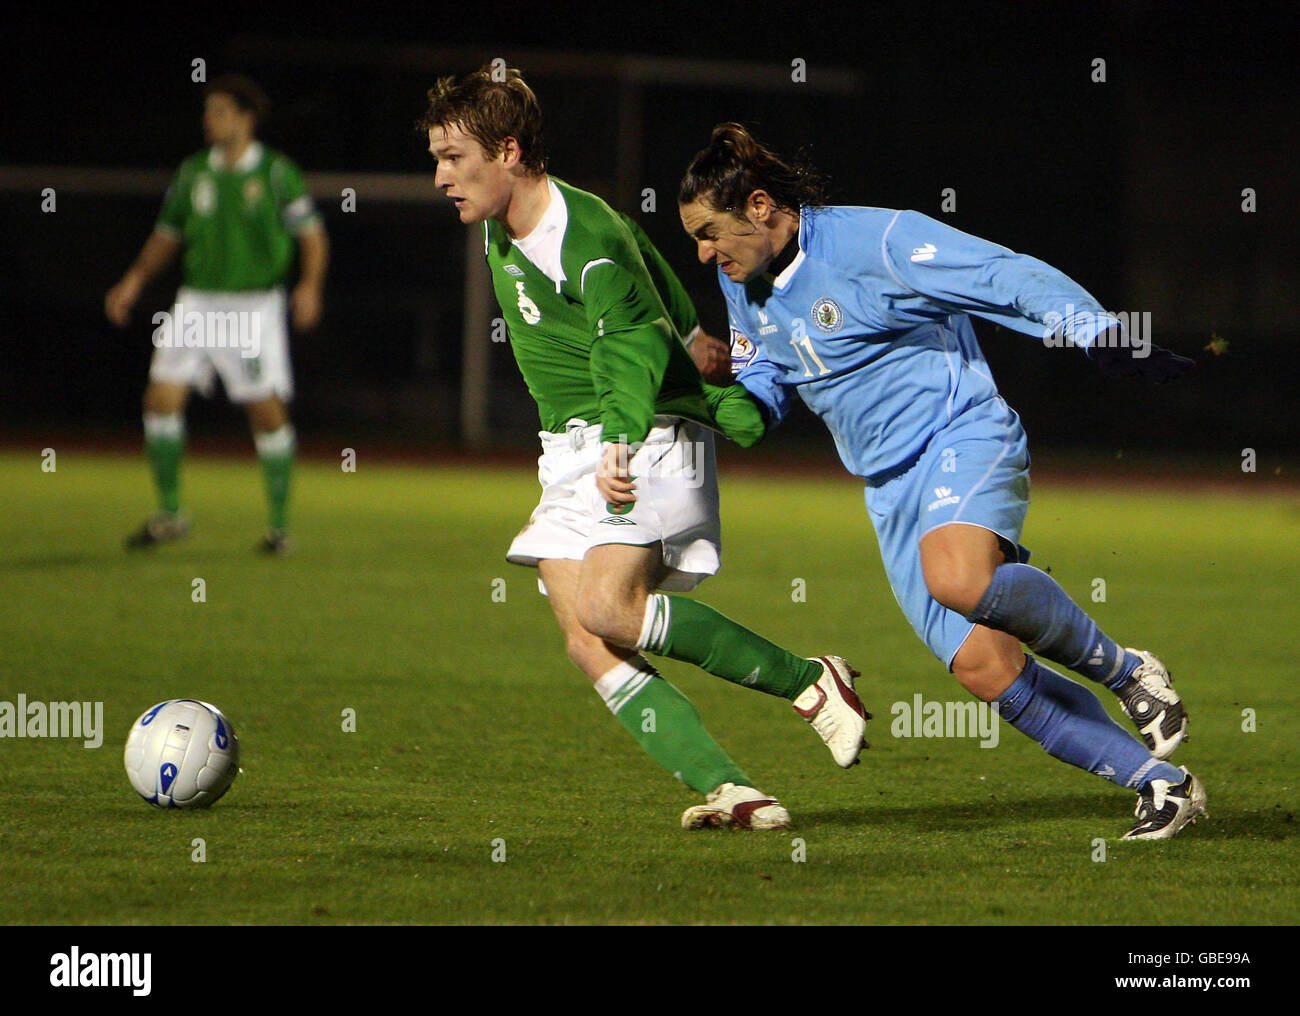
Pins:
x: 244, y: 337
x: 676, y: 506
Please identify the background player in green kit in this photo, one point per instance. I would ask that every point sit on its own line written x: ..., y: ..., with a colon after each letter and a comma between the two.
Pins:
x: 629, y: 494
x: 237, y: 208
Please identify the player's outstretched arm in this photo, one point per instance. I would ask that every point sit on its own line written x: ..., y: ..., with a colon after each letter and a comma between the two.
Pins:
x: 973, y: 275
x: 155, y: 256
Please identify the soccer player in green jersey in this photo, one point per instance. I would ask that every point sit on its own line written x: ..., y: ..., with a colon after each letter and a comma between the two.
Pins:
x: 237, y: 209
x: 629, y: 506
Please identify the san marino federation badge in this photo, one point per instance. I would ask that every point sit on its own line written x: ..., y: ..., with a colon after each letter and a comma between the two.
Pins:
x: 827, y: 314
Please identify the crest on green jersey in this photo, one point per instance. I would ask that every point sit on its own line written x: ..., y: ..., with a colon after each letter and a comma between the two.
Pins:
x: 204, y: 195
x: 527, y: 308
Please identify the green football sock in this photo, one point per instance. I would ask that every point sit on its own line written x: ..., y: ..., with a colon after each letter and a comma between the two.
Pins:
x: 275, y: 450
x: 687, y: 630
x: 164, y: 443
x: 666, y: 725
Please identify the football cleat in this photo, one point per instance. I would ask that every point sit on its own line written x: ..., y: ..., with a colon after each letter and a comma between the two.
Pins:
x: 833, y: 708
x: 731, y: 806
x: 1163, y: 808
x: 275, y: 543
x: 1149, y: 700
x: 161, y: 527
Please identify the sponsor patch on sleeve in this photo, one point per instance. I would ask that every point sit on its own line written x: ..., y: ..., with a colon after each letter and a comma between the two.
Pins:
x: 742, y: 351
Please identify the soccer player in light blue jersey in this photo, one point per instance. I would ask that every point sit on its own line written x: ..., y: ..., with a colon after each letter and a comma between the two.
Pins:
x: 863, y: 313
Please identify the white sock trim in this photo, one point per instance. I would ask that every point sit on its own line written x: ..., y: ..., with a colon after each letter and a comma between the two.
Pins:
x: 275, y: 442
x: 622, y: 682
x: 164, y: 425
x: 654, y: 628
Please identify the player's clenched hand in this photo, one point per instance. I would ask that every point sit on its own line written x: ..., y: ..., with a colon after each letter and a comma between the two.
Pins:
x: 119, y: 300
x: 612, y: 481
x: 306, y: 304
x: 1159, y: 365
x: 712, y: 357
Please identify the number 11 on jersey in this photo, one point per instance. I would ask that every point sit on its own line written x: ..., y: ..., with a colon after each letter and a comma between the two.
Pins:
x: 806, y: 343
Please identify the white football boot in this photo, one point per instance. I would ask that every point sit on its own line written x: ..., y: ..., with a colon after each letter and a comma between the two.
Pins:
x: 833, y: 708
x: 731, y: 806
x: 1149, y: 700
x: 1163, y: 808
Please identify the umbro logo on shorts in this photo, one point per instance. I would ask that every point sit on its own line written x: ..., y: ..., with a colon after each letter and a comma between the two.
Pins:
x: 614, y: 520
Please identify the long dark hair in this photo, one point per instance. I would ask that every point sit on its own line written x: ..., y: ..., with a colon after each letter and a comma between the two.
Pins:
x: 735, y: 164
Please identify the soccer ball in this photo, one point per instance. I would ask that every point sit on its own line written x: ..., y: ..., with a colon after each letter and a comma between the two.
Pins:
x: 182, y: 753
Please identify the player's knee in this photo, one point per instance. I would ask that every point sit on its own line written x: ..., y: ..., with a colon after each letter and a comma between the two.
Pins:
x: 988, y: 663
x: 163, y: 400
x: 583, y: 649
x: 267, y: 416
x: 982, y: 677
x: 607, y: 615
x: 960, y: 589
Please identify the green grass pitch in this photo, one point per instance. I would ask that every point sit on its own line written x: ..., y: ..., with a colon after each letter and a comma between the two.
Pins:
x: 474, y: 733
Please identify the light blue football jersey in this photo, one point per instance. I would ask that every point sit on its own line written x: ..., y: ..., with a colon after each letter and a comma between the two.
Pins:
x: 869, y: 325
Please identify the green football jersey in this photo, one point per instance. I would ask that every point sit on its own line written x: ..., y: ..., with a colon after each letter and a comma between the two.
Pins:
x: 238, y: 223
x: 596, y: 316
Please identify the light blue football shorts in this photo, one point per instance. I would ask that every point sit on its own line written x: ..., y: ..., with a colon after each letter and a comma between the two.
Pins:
x: 974, y: 471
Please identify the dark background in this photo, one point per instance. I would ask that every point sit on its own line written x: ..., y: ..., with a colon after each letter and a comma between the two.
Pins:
x: 1133, y: 187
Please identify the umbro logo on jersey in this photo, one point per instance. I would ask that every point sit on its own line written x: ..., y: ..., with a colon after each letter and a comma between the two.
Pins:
x: 614, y: 520
x: 943, y: 496
x: 514, y: 270
x: 766, y: 327
x: 925, y: 253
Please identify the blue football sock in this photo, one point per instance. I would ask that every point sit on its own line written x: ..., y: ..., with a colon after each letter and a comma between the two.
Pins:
x: 1069, y: 721
x: 1029, y: 604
